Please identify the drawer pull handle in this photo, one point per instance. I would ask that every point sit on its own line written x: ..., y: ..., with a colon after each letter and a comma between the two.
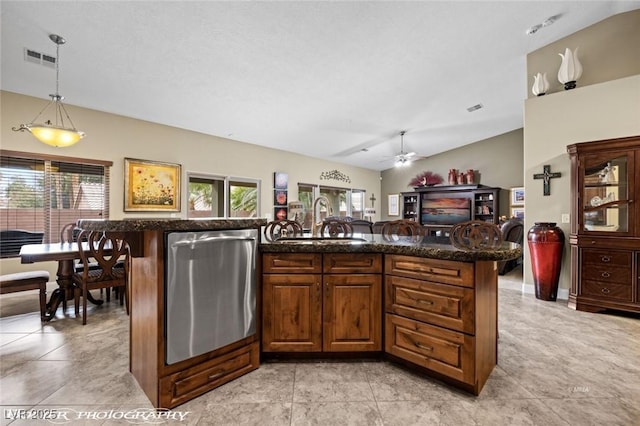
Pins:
x: 216, y: 375
x: 420, y: 346
x: 605, y: 259
x: 425, y: 302
x: 605, y: 290
x: 605, y: 274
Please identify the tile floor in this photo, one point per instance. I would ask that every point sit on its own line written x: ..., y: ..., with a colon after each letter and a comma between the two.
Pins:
x: 556, y: 367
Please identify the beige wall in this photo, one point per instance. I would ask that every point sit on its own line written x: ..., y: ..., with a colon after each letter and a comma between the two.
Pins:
x: 496, y: 161
x: 608, y: 50
x: 605, y: 105
x: 600, y: 111
x: 113, y: 137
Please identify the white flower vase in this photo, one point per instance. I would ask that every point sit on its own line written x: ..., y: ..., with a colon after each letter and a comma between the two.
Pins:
x: 570, y: 69
x: 540, y: 84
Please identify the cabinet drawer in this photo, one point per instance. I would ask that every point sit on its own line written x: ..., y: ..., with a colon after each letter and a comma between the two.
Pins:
x: 440, y: 304
x: 185, y: 385
x: 608, y: 291
x: 606, y: 274
x: 292, y: 263
x: 441, y: 271
x: 352, y: 263
x: 606, y: 257
x: 443, y: 351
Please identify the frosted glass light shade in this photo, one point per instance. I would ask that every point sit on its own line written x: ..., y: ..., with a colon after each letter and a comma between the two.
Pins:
x: 55, y: 136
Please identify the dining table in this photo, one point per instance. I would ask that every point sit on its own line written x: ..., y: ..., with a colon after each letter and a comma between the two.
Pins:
x: 65, y: 254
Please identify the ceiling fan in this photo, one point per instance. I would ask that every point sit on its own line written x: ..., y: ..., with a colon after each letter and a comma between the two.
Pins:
x: 404, y: 158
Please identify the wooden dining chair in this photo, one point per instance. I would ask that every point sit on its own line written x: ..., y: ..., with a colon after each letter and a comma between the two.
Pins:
x: 112, y: 256
x: 282, y: 228
x: 69, y: 234
x: 336, y: 228
x: 396, y: 229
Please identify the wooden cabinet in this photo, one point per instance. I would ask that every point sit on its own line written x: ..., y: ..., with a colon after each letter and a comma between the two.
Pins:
x: 605, y: 227
x: 410, y: 206
x: 442, y: 316
x: 314, y: 302
x: 485, y: 205
x: 189, y: 383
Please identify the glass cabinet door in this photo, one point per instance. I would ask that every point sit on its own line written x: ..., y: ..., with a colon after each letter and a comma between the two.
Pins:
x: 605, y: 198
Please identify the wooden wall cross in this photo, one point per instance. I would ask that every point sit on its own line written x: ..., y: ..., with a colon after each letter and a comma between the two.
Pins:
x: 546, y: 175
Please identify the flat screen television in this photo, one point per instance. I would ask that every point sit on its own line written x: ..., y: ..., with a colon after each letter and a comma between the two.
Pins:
x: 445, y: 211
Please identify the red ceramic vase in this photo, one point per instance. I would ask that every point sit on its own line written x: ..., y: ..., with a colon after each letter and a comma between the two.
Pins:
x: 546, y: 242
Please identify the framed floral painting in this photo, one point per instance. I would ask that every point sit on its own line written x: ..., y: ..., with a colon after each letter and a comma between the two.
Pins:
x: 151, y: 186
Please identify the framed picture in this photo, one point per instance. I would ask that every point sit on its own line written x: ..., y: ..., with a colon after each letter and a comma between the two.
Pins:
x: 517, y: 212
x: 517, y: 196
x: 280, y: 213
x: 151, y: 186
x: 279, y: 197
x: 280, y: 180
x: 394, y: 205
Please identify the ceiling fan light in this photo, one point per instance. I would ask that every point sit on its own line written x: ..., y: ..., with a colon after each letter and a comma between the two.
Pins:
x: 402, y: 162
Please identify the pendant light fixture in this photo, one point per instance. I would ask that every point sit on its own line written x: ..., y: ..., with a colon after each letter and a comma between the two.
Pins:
x: 56, y: 133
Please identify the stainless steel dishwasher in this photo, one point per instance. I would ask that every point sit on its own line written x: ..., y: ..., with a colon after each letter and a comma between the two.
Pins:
x: 210, y: 290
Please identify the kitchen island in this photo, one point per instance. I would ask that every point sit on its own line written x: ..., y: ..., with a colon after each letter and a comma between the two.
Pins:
x: 427, y: 304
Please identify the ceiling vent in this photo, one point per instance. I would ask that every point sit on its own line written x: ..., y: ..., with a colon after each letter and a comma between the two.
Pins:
x: 474, y: 108
x: 39, y: 58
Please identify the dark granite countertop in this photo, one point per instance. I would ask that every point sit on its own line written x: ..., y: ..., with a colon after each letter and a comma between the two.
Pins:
x: 431, y: 247
x: 137, y: 225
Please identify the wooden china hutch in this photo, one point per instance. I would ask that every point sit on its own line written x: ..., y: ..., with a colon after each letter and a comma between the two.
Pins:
x: 605, y: 226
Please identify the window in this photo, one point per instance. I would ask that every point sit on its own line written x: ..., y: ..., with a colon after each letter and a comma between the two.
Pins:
x: 342, y: 201
x: 206, y: 196
x: 244, y: 198
x: 222, y: 196
x: 42, y: 193
x: 357, y: 203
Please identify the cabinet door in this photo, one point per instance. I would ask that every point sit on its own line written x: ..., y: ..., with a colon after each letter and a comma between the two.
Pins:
x: 607, y: 181
x: 352, y: 313
x: 292, y: 313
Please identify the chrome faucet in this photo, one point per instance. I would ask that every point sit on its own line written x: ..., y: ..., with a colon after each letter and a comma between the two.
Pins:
x: 315, y: 225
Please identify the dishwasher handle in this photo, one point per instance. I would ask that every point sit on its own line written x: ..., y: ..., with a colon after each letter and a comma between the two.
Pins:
x: 214, y: 239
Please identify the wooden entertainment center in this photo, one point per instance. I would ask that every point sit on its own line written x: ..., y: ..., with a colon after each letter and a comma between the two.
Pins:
x: 440, y: 207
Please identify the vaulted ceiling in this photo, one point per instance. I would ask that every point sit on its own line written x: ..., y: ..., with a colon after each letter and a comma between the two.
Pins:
x: 333, y: 80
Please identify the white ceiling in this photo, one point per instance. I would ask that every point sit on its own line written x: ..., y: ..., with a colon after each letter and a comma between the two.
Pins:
x: 324, y: 79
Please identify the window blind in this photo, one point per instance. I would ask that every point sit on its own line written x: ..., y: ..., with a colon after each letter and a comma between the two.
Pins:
x: 40, y: 193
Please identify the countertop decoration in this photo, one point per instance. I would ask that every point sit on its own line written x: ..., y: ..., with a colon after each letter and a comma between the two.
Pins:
x: 426, y: 178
